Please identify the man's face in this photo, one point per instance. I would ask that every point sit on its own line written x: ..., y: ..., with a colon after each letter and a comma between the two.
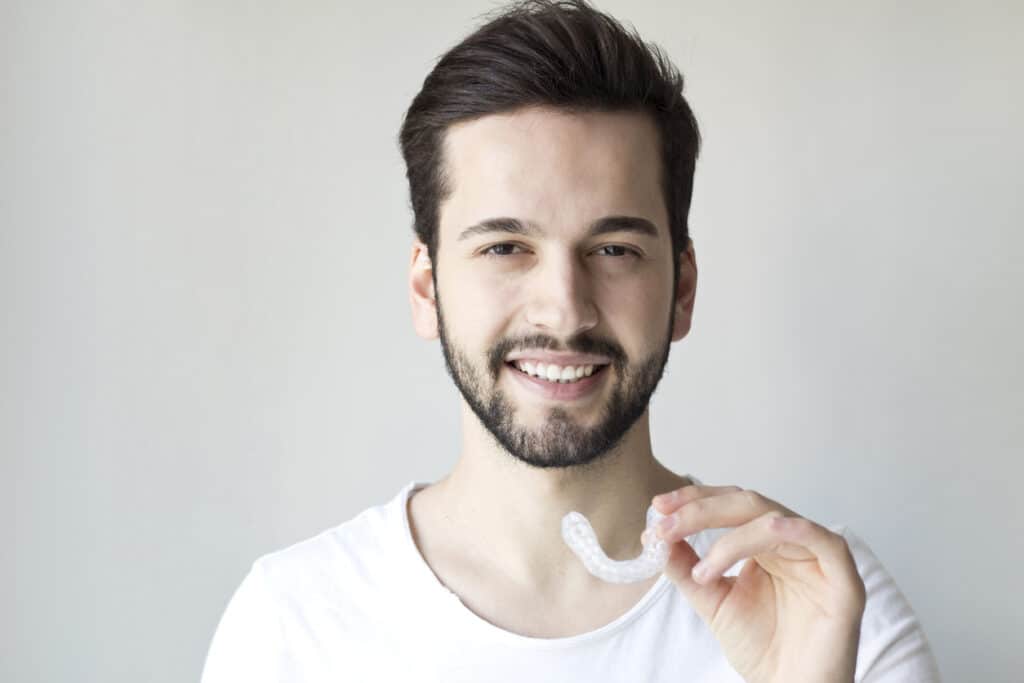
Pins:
x: 560, y: 288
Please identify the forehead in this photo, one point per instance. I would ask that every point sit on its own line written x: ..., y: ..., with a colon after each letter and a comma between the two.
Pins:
x: 558, y: 169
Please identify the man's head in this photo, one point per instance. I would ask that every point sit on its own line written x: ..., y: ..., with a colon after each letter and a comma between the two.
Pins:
x: 553, y: 116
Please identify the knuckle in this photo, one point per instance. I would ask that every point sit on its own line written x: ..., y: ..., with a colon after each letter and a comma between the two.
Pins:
x: 697, y: 507
x: 839, y: 541
x: 753, y: 499
x: 854, y: 598
x: 689, y: 492
x: 769, y: 518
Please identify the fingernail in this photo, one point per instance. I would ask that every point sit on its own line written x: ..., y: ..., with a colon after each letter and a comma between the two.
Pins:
x: 700, y: 572
x: 665, y: 525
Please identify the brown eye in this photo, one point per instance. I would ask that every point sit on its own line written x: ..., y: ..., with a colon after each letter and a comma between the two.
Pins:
x: 503, y: 249
x: 489, y: 250
x: 629, y: 252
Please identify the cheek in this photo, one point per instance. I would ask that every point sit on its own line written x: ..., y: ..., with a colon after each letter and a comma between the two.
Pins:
x: 640, y: 301
x: 492, y: 301
x: 473, y: 292
x: 475, y: 316
x: 637, y: 320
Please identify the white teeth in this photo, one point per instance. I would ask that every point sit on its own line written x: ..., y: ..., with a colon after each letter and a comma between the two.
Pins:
x: 555, y: 373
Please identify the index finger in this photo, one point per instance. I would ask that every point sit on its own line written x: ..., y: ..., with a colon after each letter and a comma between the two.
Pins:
x: 670, y: 501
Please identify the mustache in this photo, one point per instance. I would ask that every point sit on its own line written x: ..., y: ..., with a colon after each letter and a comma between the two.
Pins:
x: 580, y: 344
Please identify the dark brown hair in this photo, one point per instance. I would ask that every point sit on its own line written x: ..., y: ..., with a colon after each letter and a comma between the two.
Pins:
x: 563, y: 54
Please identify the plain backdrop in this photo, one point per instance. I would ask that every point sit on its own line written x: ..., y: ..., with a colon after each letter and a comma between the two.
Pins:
x: 207, y: 351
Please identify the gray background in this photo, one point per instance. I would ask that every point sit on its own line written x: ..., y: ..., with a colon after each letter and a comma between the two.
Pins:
x: 207, y: 351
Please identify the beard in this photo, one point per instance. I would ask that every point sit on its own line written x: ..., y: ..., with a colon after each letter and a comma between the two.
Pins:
x: 560, y: 442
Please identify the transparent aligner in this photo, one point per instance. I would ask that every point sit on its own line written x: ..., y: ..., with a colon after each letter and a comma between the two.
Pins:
x: 580, y: 536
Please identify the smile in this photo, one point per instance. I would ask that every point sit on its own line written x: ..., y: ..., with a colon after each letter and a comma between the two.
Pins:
x: 560, y: 390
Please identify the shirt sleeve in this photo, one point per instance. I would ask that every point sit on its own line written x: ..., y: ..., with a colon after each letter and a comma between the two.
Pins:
x: 248, y: 642
x: 893, y: 647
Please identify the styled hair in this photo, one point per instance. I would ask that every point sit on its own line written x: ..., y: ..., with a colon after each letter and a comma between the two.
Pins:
x: 561, y: 54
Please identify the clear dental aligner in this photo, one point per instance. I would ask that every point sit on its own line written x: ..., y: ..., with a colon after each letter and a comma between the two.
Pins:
x: 580, y: 536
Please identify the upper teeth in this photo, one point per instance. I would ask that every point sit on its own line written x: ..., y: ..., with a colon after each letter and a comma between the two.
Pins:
x: 555, y: 372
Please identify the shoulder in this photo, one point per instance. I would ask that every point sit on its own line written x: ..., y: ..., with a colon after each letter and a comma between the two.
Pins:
x: 306, y: 582
x: 893, y: 645
x: 318, y: 565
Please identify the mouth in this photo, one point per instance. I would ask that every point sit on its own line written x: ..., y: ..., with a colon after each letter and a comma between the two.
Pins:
x: 560, y: 390
x: 597, y: 370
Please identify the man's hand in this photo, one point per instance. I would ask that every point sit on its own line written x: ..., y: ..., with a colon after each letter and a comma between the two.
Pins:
x: 793, y: 613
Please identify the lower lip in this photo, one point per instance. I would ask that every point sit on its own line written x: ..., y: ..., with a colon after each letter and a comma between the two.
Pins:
x: 556, y: 391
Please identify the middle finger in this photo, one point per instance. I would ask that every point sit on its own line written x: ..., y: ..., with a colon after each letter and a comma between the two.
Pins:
x: 717, y: 510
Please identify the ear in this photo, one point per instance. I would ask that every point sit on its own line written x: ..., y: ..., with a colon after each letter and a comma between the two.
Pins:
x: 686, y: 292
x: 422, y: 298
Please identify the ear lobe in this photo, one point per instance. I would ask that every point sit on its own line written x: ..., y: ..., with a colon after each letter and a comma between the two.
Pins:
x: 422, y: 298
x: 686, y: 293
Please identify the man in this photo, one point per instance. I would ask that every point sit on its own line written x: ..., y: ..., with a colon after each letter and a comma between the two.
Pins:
x: 550, y: 158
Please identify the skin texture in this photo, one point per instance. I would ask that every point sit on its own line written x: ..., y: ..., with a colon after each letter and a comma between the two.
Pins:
x: 526, y: 460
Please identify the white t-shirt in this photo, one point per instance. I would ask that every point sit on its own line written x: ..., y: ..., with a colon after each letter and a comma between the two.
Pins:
x: 359, y: 603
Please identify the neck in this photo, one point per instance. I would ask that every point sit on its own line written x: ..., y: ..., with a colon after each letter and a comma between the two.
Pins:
x: 518, y: 508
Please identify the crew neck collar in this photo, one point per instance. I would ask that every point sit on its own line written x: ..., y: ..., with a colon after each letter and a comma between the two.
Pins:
x: 474, y: 625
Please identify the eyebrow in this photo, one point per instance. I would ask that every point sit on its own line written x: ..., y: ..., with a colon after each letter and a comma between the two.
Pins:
x: 607, y: 224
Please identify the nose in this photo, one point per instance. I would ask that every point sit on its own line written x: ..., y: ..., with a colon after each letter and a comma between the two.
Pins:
x: 561, y: 297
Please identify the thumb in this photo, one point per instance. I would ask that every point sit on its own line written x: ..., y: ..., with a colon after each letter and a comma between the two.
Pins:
x: 704, y: 598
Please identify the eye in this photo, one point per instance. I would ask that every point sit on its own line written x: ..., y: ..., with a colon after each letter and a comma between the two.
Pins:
x: 629, y: 252
x: 490, y: 251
